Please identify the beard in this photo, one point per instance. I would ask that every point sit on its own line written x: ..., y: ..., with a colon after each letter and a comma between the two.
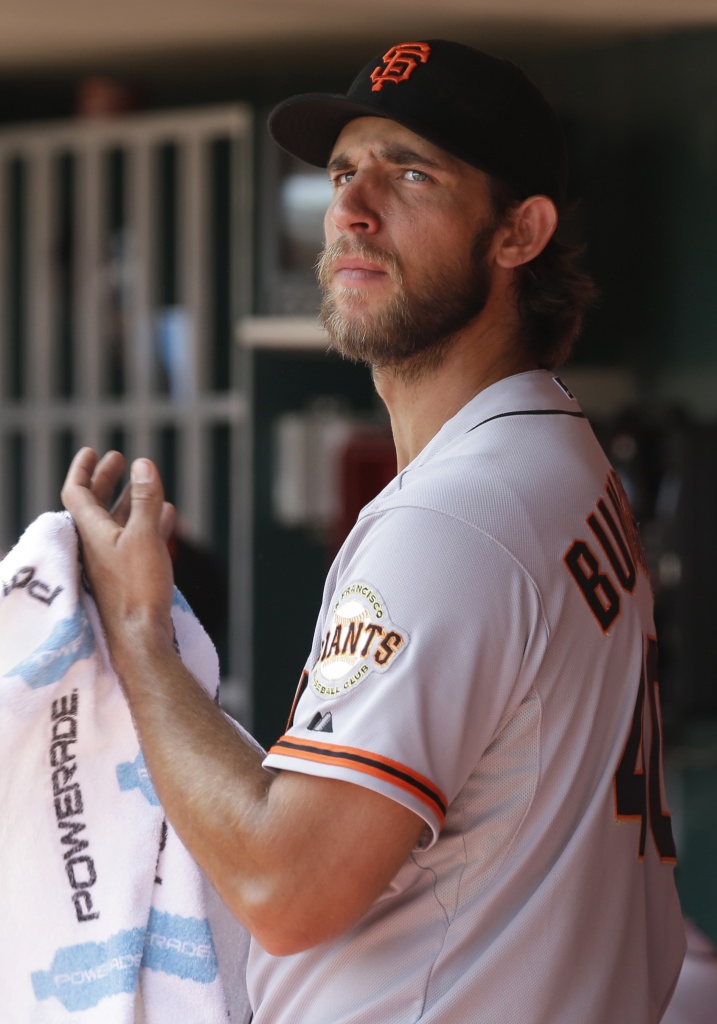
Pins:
x: 412, y: 332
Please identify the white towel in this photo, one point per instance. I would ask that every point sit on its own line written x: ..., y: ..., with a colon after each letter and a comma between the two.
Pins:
x: 97, y: 925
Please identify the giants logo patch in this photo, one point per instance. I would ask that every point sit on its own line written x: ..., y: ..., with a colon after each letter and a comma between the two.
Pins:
x: 358, y: 639
x: 400, y: 63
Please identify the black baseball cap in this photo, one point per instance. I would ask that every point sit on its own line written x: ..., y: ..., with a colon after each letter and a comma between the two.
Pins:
x: 480, y: 108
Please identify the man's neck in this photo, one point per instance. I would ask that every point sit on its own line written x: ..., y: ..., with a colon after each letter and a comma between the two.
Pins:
x: 420, y: 405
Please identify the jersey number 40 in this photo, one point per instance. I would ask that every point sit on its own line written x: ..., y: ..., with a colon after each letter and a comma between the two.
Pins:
x: 638, y: 780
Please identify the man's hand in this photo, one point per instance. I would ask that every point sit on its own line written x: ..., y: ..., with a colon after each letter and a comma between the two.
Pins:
x: 124, y: 549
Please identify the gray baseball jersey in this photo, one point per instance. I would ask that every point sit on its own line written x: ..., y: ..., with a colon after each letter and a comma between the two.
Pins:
x: 485, y: 655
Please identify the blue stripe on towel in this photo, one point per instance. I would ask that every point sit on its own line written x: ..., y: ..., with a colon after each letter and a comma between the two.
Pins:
x: 71, y: 641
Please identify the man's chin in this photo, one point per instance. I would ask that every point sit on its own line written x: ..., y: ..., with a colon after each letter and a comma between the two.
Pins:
x: 352, y: 324
x: 362, y: 301
x: 352, y: 341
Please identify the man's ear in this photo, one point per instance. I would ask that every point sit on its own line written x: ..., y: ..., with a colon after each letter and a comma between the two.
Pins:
x: 530, y: 228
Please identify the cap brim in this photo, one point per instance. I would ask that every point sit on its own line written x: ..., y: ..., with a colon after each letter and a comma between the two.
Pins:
x: 308, y: 126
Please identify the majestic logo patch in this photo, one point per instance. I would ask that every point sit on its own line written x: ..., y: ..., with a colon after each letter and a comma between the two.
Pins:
x: 400, y: 63
x: 321, y: 723
x: 358, y: 639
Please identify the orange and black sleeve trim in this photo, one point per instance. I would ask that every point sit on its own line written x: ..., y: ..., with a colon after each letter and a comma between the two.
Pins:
x: 369, y: 763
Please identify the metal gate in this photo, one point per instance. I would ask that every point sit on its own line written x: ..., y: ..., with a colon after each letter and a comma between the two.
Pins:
x: 124, y: 265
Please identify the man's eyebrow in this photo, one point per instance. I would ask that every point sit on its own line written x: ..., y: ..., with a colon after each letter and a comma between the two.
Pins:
x: 405, y: 157
x: 392, y: 153
x: 339, y: 163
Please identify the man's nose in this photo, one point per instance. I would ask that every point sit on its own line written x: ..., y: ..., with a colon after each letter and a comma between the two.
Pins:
x: 354, y: 209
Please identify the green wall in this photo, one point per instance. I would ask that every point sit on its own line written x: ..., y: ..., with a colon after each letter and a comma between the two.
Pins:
x: 289, y: 565
x: 641, y: 118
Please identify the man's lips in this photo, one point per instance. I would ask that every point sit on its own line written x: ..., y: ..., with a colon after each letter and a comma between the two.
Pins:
x: 358, y: 271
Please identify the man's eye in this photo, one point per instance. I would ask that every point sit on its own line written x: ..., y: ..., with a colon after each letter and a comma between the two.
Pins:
x: 343, y: 179
x: 416, y: 175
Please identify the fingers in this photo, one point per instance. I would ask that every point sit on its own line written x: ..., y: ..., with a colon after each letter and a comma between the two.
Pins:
x: 82, y: 467
x: 106, y: 476
x: 76, y: 489
x: 121, y: 508
x: 166, y: 520
x: 146, y: 496
x: 90, y: 484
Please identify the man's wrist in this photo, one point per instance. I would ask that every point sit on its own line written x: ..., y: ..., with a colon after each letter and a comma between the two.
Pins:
x: 140, y: 651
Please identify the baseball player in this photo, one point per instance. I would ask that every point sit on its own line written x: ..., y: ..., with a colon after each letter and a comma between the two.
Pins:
x: 465, y: 819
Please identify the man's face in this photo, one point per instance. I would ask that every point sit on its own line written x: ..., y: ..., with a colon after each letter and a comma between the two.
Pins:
x: 408, y: 247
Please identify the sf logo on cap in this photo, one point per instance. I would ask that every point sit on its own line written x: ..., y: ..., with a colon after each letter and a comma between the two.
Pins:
x: 400, y: 63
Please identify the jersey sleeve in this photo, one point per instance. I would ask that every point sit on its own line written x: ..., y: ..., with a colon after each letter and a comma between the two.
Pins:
x: 429, y: 637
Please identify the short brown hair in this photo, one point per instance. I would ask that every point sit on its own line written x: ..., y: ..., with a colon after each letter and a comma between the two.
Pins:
x: 553, y: 291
